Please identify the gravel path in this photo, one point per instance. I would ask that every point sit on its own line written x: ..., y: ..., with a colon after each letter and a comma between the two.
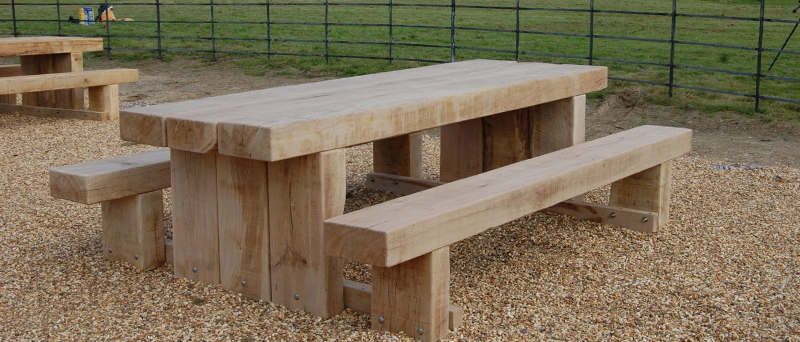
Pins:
x: 725, y: 268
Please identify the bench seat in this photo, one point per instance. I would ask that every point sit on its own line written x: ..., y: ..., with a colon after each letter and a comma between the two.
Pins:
x: 103, y: 88
x: 129, y: 189
x: 407, y: 239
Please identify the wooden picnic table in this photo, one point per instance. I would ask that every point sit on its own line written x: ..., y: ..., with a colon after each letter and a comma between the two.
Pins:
x: 45, y: 55
x: 255, y: 174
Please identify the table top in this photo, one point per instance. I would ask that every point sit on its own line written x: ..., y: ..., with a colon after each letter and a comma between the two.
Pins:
x: 280, y: 123
x: 22, y: 46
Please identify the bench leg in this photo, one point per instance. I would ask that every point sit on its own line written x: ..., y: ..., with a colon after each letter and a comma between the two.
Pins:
x: 303, y: 192
x: 105, y: 99
x: 133, y: 230
x: 413, y: 296
x: 647, y: 190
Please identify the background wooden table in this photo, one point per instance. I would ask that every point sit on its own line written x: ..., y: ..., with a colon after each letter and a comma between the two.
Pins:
x: 45, y: 55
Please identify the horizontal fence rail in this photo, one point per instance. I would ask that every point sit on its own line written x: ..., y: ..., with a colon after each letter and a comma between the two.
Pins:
x: 743, y: 54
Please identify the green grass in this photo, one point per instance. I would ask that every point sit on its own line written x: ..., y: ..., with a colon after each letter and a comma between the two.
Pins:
x: 232, y: 34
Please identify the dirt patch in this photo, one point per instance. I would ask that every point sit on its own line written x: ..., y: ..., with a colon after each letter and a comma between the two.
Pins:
x: 725, y: 136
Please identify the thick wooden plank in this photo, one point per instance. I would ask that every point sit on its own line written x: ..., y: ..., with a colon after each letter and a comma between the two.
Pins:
x: 647, y: 190
x: 105, y: 99
x: 243, y: 226
x: 7, y: 71
x: 279, y: 133
x: 64, y: 80
x: 20, y: 46
x: 195, y: 229
x: 113, y: 178
x: 506, y: 138
x: 413, y: 296
x: 303, y: 192
x: 47, y: 112
x: 401, y: 155
x: 399, y: 184
x: 168, y: 250
x: 402, y: 229
x: 133, y: 230
x: 143, y: 123
x: 461, y: 150
x: 10, y: 70
x: 558, y: 124
x: 633, y: 219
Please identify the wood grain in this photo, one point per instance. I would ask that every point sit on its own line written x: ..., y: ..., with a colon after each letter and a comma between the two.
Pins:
x: 195, y: 229
x: 105, y: 99
x: 402, y: 229
x: 43, y: 45
x: 461, y: 150
x: 303, y: 192
x: 506, y: 138
x: 647, y: 190
x: 64, y: 80
x: 112, y: 178
x: 413, y: 296
x: 558, y: 124
x: 133, y: 230
x: 401, y: 155
x: 243, y: 226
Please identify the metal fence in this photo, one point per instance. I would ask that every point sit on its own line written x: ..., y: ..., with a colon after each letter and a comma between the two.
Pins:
x: 201, y: 32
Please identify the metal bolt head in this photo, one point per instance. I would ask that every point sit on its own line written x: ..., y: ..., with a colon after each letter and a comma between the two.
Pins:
x: 194, y: 269
x: 136, y: 256
x: 613, y: 215
x: 296, y: 296
x: 645, y: 219
x: 420, y: 331
x: 372, y: 179
x: 380, y: 319
x: 109, y: 250
x: 244, y: 283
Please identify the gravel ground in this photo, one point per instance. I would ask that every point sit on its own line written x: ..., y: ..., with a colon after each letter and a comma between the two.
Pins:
x: 724, y: 268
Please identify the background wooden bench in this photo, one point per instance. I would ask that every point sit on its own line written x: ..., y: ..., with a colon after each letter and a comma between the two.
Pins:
x: 103, y: 88
x: 407, y: 239
x: 8, y: 71
x: 129, y: 190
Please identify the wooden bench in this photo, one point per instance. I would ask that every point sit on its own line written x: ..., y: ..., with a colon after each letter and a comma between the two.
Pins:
x: 129, y: 189
x: 103, y: 88
x: 407, y: 239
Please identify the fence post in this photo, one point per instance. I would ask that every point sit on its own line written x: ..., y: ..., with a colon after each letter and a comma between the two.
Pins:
x: 14, y: 16
x: 591, y: 32
x: 108, y: 31
x: 452, y: 30
x: 326, y: 32
x: 760, y: 50
x: 158, y: 27
x: 672, y: 48
x: 213, y: 35
x: 390, y: 31
x: 516, y: 46
x: 269, y: 35
x: 58, y: 16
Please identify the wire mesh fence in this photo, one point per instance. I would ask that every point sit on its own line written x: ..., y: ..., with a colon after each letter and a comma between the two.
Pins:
x: 744, y: 51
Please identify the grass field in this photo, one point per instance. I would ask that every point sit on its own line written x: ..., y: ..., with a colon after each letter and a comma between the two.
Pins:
x: 238, y: 23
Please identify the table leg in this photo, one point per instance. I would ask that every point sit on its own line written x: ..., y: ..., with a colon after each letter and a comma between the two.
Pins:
x: 484, y: 144
x: 47, y: 64
x: 400, y: 156
x: 303, y: 192
x: 195, y: 227
x: 243, y: 226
